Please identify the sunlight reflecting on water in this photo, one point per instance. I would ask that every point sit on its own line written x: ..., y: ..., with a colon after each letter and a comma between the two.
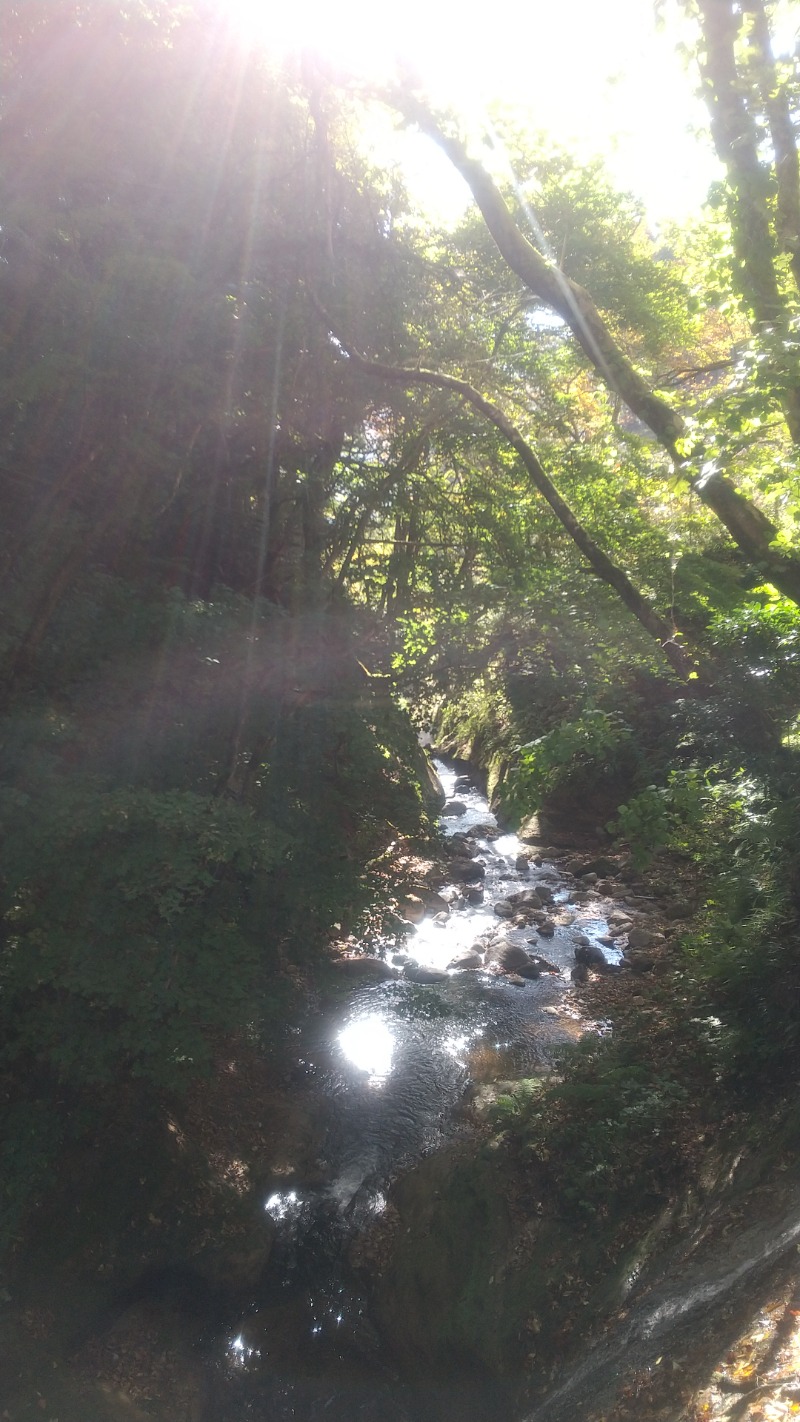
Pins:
x: 368, y: 1044
x: 434, y: 944
x: 457, y: 1046
x: 240, y: 1353
x: 507, y: 844
x: 283, y: 1204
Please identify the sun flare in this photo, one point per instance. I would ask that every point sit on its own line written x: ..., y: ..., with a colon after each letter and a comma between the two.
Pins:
x: 352, y: 33
x: 618, y: 90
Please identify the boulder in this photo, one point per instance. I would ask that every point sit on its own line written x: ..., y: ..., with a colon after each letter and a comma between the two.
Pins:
x: 528, y: 899
x: 643, y: 938
x: 433, y: 796
x: 504, y: 908
x: 412, y: 908
x: 240, y: 1265
x: 505, y: 953
x: 546, y: 927
x: 590, y: 954
x: 466, y: 959
x: 417, y: 974
x: 363, y: 967
x: 433, y: 901
x: 512, y: 958
x: 474, y: 895
x: 465, y: 870
x: 522, y: 864
x: 545, y: 893
x: 454, y: 809
x: 639, y: 962
x: 619, y: 924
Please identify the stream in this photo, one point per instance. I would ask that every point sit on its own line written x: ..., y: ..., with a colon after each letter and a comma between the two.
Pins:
x: 394, y: 1068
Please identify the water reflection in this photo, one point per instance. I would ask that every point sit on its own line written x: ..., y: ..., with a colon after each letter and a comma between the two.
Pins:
x: 368, y: 1043
x: 283, y: 1205
x: 507, y: 845
x: 240, y: 1352
x: 457, y: 1045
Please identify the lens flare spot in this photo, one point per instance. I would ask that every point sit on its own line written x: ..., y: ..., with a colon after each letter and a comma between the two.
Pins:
x: 368, y: 1044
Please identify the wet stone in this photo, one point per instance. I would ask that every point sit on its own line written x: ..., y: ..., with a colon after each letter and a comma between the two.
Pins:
x: 363, y: 967
x: 467, y: 869
x: 528, y: 897
x: 467, y: 959
x: 417, y: 974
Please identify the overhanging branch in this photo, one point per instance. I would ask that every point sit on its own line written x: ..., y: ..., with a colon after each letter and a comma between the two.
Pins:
x: 605, y: 569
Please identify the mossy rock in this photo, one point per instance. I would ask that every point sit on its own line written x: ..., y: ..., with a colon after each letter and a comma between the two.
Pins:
x: 487, y: 1276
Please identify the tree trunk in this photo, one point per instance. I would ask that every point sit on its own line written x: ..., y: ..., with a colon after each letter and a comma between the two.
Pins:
x: 736, y: 140
x: 775, y: 99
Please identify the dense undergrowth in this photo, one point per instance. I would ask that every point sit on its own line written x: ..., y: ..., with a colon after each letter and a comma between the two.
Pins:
x: 185, y: 823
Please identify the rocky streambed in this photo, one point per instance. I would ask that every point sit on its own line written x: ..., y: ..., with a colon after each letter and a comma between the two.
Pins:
x: 383, y: 1293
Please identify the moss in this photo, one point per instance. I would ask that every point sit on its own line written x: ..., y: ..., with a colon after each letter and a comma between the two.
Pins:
x: 488, y: 1277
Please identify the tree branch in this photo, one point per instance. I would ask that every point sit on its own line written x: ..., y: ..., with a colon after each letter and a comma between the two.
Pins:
x: 600, y: 563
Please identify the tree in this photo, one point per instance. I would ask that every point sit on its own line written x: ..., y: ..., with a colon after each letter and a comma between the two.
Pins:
x: 749, y: 527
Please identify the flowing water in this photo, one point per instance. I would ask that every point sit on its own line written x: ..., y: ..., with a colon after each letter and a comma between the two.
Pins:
x: 393, y: 1068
